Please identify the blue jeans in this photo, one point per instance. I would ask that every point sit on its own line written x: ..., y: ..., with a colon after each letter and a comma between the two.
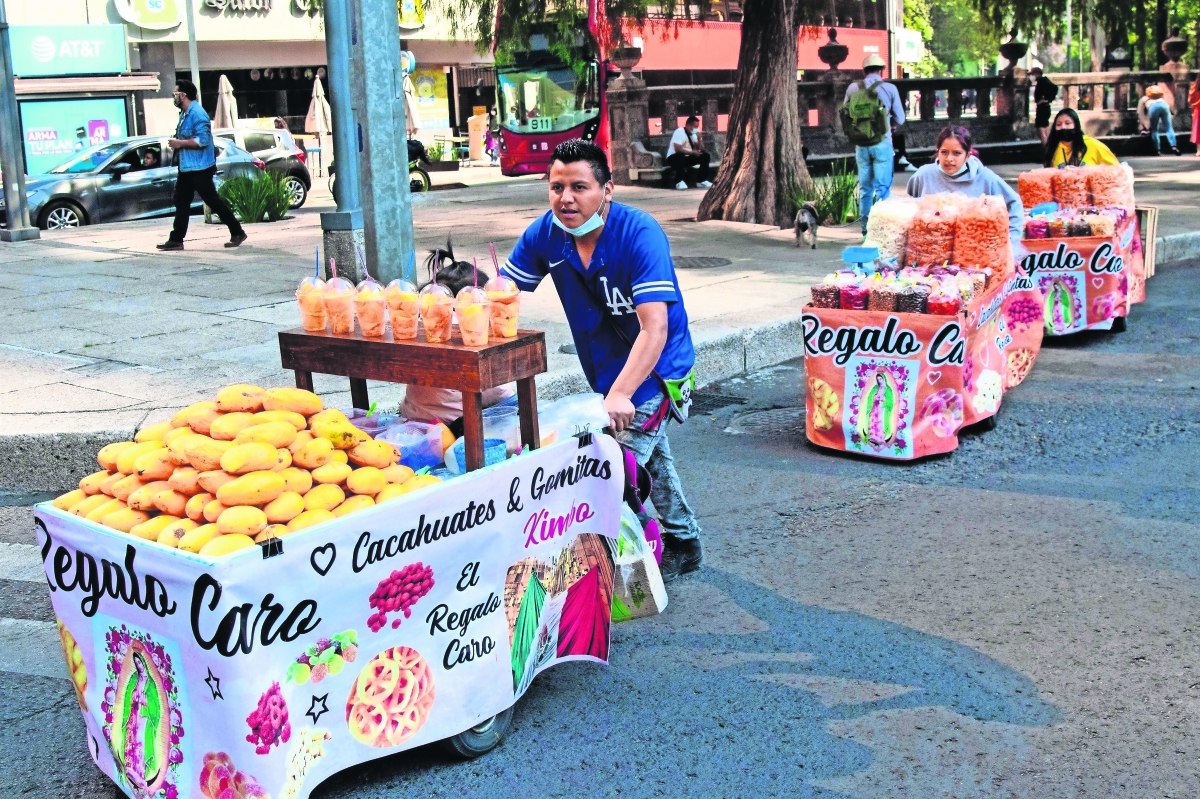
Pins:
x: 1160, y: 115
x: 654, y: 452
x: 874, y: 176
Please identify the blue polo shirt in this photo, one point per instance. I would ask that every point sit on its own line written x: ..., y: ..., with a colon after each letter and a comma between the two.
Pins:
x: 631, y: 265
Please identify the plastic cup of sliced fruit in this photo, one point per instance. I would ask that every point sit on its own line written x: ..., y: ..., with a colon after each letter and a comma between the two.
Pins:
x: 311, y: 297
x: 370, y: 309
x: 506, y: 305
x: 339, y: 305
x: 437, y: 310
x: 403, y: 309
x: 474, y: 316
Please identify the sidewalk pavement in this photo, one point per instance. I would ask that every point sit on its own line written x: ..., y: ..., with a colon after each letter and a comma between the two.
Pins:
x: 107, y: 334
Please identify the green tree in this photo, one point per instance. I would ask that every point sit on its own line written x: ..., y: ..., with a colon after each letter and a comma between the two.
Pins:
x: 1140, y: 25
x: 917, y: 17
x: 962, y: 38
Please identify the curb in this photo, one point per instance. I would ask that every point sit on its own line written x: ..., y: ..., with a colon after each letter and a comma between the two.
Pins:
x: 56, y: 462
x: 1179, y: 247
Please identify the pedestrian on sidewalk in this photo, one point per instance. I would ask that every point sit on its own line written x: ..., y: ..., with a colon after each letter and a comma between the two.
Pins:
x: 1154, y: 115
x: 686, y: 151
x: 195, y: 156
x: 868, y: 122
x: 1068, y: 146
x: 1194, y: 102
x: 1044, y: 93
x: 612, y: 267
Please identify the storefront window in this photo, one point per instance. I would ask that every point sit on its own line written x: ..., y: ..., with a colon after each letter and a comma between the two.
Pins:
x: 549, y: 97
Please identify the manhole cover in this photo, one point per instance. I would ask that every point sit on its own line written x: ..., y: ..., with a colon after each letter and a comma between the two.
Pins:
x: 700, y: 262
x: 775, y: 422
x: 707, y: 403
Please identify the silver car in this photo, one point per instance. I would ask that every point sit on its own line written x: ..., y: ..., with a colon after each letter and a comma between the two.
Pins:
x: 278, y: 150
x: 119, y: 180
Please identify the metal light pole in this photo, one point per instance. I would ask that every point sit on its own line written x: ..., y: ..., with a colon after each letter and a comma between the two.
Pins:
x: 342, y: 230
x: 377, y: 84
x: 12, y: 163
x: 192, y: 57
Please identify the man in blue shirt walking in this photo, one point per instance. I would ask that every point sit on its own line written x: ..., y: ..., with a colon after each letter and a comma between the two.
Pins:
x: 612, y: 267
x: 197, y: 164
x: 875, y: 166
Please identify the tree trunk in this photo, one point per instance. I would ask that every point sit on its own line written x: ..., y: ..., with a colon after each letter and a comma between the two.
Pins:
x: 1143, y: 32
x: 1160, y: 32
x: 762, y: 159
x: 1097, y: 42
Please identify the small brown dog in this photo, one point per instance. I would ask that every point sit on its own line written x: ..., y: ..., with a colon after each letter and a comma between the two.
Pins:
x: 806, y: 225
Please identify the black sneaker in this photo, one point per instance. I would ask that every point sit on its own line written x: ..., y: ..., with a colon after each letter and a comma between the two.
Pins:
x: 236, y: 241
x: 170, y: 245
x: 680, y: 556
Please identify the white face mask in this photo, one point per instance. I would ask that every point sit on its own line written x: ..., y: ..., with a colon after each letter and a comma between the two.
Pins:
x: 587, y: 227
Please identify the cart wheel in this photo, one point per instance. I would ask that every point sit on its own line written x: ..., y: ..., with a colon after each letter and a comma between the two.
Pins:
x: 989, y: 423
x: 1119, y: 325
x: 482, y: 738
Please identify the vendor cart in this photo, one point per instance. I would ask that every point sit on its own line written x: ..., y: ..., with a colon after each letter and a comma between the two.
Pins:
x: 901, y: 385
x: 1088, y: 282
x: 419, y: 619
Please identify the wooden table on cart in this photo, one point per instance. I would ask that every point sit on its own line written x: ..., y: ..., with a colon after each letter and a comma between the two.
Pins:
x: 471, y: 370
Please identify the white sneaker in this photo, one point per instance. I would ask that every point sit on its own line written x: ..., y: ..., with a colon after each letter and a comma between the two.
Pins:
x: 680, y: 186
x: 704, y: 184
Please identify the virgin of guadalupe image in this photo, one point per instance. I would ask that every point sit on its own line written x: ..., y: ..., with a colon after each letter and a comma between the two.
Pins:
x: 1059, y: 314
x: 139, y: 737
x: 880, y: 404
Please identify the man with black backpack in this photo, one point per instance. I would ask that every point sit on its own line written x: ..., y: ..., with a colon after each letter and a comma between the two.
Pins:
x: 872, y: 108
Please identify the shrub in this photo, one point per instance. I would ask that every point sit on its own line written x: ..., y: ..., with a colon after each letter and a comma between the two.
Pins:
x: 436, y: 151
x: 835, y: 196
x: 264, y: 195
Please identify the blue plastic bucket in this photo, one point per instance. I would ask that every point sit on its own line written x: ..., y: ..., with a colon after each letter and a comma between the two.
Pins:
x: 495, y: 450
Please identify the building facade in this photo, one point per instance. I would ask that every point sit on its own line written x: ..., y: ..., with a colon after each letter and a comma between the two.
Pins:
x: 270, y: 50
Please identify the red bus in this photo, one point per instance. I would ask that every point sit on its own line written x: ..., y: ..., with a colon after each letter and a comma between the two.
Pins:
x: 541, y: 101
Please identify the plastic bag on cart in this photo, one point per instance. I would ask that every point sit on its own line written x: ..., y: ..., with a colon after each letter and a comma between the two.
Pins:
x: 420, y: 444
x: 562, y: 417
x: 638, y: 589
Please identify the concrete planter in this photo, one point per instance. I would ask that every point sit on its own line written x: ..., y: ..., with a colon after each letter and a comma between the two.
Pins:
x: 440, y: 166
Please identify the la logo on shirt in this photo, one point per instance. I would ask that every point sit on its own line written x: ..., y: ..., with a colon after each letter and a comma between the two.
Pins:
x: 617, y: 304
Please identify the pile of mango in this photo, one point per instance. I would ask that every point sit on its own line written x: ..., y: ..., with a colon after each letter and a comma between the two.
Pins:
x: 253, y: 464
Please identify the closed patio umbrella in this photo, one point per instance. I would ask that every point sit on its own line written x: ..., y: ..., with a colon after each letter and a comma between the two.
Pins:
x: 319, y: 119
x: 227, y: 110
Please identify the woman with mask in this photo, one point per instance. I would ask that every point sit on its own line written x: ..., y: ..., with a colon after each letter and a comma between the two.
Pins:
x: 1069, y: 146
x: 957, y: 168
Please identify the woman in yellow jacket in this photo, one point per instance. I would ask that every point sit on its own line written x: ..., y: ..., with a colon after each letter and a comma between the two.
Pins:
x: 1069, y: 146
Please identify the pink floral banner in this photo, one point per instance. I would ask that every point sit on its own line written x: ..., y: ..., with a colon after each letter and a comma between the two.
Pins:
x: 260, y: 674
x: 901, y: 386
x: 1086, y: 282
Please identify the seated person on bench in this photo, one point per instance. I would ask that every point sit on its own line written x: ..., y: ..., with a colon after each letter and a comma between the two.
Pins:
x: 685, y: 152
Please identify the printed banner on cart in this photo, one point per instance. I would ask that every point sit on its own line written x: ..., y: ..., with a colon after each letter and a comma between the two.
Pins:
x: 1087, y: 281
x: 391, y: 628
x: 901, y: 385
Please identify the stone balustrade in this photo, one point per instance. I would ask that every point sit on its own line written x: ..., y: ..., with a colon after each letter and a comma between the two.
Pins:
x: 995, y: 109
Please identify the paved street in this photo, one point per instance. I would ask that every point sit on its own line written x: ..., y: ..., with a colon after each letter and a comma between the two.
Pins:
x: 1016, y: 618
x: 106, y: 334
